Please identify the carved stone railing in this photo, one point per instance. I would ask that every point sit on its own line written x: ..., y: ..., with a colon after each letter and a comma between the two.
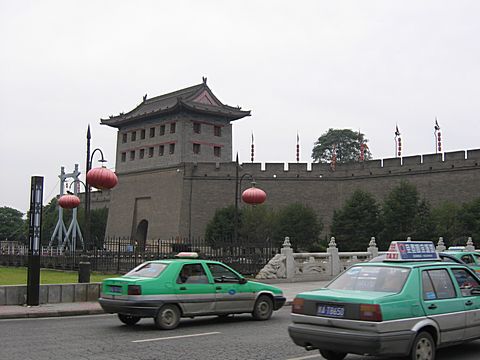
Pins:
x: 321, y: 266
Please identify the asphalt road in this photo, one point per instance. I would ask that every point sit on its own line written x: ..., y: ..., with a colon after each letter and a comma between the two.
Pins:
x: 104, y: 337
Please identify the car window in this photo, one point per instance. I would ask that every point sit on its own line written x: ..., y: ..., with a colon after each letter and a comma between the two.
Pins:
x: 148, y: 270
x: 371, y: 278
x: 437, y: 284
x: 468, y: 259
x: 192, y: 274
x: 222, y: 274
x: 477, y: 258
x: 465, y: 280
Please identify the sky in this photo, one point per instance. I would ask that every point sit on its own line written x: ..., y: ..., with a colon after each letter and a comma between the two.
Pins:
x: 299, y: 66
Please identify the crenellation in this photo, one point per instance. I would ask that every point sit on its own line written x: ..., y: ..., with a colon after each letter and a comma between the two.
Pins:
x: 411, y: 160
x: 454, y: 155
x: 432, y: 158
x: 392, y: 162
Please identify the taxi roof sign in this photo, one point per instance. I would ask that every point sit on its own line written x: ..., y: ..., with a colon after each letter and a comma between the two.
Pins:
x: 411, y: 251
x: 187, y: 255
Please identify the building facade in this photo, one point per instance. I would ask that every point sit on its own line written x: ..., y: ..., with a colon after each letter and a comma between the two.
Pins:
x: 175, y: 169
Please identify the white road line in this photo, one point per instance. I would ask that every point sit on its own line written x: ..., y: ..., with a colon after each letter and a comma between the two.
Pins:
x: 305, y: 357
x: 176, y: 337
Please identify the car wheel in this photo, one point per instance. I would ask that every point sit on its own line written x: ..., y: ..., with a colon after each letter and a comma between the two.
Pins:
x: 129, y: 320
x: 263, y: 308
x: 167, y: 317
x: 332, y: 355
x: 423, y: 347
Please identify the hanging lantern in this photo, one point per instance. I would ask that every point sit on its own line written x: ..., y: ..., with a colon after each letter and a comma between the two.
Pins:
x: 69, y: 201
x: 102, y: 178
x: 254, y: 196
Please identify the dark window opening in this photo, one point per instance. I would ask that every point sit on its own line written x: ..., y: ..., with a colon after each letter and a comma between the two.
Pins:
x: 162, y: 129
x: 172, y: 148
x: 196, y: 128
x: 196, y: 148
x: 172, y: 128
x: 217, y: 131
x: 161, y: 150
x: 217, y: 151
x: 152, y: 132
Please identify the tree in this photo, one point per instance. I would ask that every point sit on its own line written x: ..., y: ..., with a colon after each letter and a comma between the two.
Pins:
x: 470, y: 219
x: 346, y: 143
x: 424, y: 224
x: 12, y: 225
x: 301, y: 224
x: 356, y: 222
x: 221, y: 228
x: 257, y: 224
x: 445, y: 217
x: 399, y: 213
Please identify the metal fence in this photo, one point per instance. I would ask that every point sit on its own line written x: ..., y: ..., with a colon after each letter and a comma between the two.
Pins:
x: 120, y: 255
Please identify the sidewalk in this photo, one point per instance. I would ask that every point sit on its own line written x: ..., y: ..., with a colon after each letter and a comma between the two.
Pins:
x: 92, y: 308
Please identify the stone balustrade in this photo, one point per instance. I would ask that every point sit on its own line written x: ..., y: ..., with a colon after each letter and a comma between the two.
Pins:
x: 291, y: 266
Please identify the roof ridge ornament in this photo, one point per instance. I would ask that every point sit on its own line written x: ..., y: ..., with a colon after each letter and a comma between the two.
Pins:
x: 204, y: 80
x: 144, y: 97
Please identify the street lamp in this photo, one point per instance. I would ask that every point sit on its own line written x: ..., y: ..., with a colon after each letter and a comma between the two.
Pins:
x: 252, y: 196
x: 100, y: 178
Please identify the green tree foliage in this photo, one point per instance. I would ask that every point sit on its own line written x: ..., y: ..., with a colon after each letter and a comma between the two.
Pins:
x: 257, y: 224
x: 447, y: 222
x: 424, y: 224
x: 301, y: 224
x: 346, y: 143
x: 356, y: 222
x: 470, y: 219
x: 221, y: 228
x: 12, y: 225
x: 399, y: 214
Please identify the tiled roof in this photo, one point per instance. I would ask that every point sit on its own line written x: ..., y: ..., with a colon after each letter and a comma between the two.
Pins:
x: 175, y: 101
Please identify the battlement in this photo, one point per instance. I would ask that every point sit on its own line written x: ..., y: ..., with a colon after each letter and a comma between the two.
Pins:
x: 448, y: 161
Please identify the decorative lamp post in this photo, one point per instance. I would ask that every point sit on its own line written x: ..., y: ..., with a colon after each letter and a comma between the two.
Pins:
x: 100, y: 178
x: 252, y: 196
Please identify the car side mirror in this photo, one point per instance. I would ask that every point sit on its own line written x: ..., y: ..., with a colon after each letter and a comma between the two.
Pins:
x: 242, y: 280
x: 475, y: 290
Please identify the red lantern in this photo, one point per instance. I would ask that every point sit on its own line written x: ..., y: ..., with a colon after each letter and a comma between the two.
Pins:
x: 69, y: 201
x: 254, y: 196
x: 102, y: 178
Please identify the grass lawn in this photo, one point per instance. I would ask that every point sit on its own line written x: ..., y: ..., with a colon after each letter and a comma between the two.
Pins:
x: 18, y: 276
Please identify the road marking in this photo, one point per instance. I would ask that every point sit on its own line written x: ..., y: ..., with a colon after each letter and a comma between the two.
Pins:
x: 305, y: 357
x: 176, y: 337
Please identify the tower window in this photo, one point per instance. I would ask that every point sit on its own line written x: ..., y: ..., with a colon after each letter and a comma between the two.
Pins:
x: 150, y: 151
x: 217, y: 151
x: 196, y: 148
x: 152, y: 132
x: 132, y: 155
x: 124, y: 138
x: 172, y: 128
x: 162, y: 129
x: 142, y: 153
x: 172, y: 149
x: 217, y: 131
x: 142, y: 134
x: 161, y: 150
x: 133, y: 136
x: 196, y: 128
x: 124, y: 156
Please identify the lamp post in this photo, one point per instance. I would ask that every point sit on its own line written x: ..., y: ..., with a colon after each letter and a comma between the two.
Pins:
x: 252, y: 196
x: 100, y: 178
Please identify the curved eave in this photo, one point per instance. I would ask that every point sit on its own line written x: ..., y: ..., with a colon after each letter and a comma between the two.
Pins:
x: 228, y: 113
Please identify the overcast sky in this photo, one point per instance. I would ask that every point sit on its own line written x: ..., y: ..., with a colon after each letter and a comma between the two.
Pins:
x: 301, y: 66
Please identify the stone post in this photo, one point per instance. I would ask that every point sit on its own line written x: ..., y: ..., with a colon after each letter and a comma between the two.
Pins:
x: 470, y: 246
x: 334, y: 257
x: 372, y: 248
x: 441, y: 245
x: 289, y: 261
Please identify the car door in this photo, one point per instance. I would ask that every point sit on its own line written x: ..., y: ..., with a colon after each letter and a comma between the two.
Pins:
x: 467, y: 282
x: 231, y: 294
x: 441, y: 303
x: 194, y: 292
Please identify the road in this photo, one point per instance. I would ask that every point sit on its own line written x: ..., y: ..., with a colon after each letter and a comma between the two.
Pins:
x: 103, y: 337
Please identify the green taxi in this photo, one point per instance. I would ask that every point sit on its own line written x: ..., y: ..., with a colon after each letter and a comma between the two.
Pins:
x: 167, y: 290
x: 409, y: 304
x: 471, y: 258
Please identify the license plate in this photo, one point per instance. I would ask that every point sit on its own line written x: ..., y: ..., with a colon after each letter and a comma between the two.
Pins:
x: 116, y: 289
x: 329, y: 310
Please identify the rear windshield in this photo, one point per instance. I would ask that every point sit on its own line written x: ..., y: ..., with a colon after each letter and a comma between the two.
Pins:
x: 148, y: 270
x: 371, y: 278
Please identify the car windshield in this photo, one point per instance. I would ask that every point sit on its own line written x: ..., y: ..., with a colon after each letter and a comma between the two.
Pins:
x: 371, y: 278
x: 148, y: 270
